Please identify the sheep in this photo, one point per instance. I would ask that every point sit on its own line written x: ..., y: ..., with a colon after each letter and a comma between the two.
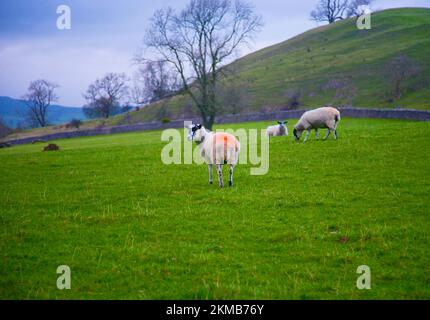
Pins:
x: 277, y: 130
x: 216, y: 148
x: 325, y: 117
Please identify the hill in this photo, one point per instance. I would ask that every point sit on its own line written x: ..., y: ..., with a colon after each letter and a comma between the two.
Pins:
x: 11, y: 111
x: 336, y: 64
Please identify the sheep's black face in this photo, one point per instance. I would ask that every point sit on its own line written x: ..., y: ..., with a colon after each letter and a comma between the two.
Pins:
x: 283, y: 130
x: 193, y: 131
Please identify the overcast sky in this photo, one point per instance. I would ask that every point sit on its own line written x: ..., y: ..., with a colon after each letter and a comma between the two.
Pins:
x: 106, y: 34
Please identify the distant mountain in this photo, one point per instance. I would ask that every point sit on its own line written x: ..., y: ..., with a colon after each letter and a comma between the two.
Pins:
x: 11, y: 111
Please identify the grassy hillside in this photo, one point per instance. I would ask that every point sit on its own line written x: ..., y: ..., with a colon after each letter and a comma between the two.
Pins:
x: 130, y: 227
x: 326, y: 57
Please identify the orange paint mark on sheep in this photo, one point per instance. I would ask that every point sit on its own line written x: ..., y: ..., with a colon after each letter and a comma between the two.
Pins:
x: 227, y: 140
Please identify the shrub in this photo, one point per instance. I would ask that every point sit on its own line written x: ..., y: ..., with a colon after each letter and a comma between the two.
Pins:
x: 74, y: 123
x: 293, y: 99
x: 5, y: 145
x: 51, y: 147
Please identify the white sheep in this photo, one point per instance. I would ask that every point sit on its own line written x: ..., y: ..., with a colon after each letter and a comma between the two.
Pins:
x: 216, y: 148
x: 277, y: 130
x: 325, y: 117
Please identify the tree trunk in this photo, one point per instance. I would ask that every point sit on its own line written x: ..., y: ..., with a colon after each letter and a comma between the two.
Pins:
x: 208, y: 118
x: 212, y: 103
x: 208, y: 105
x: 43, y: 118
x: 398, y: 91
x: 211, y: 121
x: 205, y: 118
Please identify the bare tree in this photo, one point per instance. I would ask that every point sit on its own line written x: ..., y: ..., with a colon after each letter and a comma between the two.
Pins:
x: 74, y: 123
x: 344, y: 90
x: 294, y: 97
x: 106, y: 95
x: 39, y: 96
x: 154, y: 81
x: 197, y: 41
x: 399, y: 70
x: 162, y: 112
x: 330, y: 10
x: 356, y: 8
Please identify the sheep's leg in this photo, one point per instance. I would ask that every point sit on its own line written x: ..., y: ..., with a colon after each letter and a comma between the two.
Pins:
x: 316, y: 134
x: 230, y: 179
x: 307, y: 135
x: 210, y: 173
x: 335, y: 130
x: 221, y: 182
x: 327, y: 134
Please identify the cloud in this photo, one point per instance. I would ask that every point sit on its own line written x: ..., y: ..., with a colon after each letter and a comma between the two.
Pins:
x: 105, y: 36
x: 73, y: 68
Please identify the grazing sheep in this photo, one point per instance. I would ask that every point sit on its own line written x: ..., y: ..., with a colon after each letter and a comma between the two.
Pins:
x: 277, y: 130
x: 216, y: 148
x: 325, y: 117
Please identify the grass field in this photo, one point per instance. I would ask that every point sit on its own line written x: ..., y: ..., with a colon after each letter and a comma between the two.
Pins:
x: 130, y: 227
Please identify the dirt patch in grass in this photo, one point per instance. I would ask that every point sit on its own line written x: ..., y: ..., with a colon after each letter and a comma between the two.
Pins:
x: 51, y: 147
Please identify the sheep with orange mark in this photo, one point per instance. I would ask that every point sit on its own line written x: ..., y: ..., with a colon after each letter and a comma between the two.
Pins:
x: 277, y: 130
x: 325, y: 117
x: 216, y: 148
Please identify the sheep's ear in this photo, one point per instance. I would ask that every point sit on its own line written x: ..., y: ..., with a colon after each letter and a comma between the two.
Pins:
x: 286, y: 121
x: 199, y: 126
x: 279, y: 122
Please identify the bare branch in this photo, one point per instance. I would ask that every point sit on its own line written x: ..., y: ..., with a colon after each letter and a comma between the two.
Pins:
x: 39, y: 96
x: 399, y: 71
x: 330, y: 10
x: 198, y: 41
x: 105, y: 96
x: 356, y: 8
x: 154, y: 81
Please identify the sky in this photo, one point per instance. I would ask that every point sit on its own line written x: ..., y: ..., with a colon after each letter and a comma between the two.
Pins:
x: 105, y: 35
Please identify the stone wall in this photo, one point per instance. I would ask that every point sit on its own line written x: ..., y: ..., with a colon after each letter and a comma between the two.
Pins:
x: 407, y: 114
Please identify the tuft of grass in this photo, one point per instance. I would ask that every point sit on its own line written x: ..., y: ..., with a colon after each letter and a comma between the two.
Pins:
x: 130, y: 227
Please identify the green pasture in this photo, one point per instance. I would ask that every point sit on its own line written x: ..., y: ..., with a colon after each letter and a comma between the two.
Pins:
x: 130, y: 227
